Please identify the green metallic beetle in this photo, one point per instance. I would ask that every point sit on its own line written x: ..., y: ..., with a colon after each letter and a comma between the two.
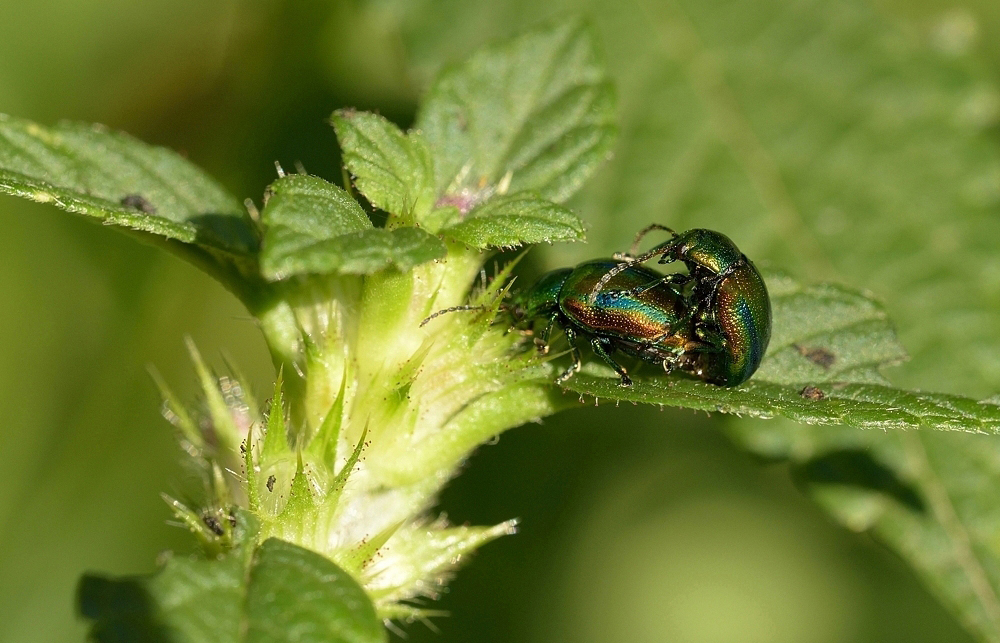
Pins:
x: 639, y: 315
x: 729, y: 305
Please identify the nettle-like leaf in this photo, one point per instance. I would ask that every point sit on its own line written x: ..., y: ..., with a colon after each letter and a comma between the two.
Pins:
x: 513, y: 219
x: 120, y: 181
x: 931, y: 496
x: 500, y: 141
x: 538, y: 108
x: 268, y: 594
x: 822, y: 367
x: 316, y: 227
x: 393, y: 169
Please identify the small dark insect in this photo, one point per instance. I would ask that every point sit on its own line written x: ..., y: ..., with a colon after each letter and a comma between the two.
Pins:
x: 212, y: 523
x: 812, y: 393
x: 817, y: 355
x: 270, y: 483
x: 138, y: 202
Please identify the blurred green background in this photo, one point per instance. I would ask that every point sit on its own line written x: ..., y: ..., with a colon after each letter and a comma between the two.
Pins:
x: 637, y: 525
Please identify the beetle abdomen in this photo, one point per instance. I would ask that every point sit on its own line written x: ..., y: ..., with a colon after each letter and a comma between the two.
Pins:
x: 650, y: 315
x: 742, y: 314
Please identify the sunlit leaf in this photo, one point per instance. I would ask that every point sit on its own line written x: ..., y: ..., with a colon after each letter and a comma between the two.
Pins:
x: 118, y: 180
x: 315, y: 227
x: 538, y: 109
x: 392, y: 169
x: 515, y: 219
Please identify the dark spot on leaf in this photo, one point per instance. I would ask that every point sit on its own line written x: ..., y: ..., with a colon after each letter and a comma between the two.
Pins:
x: 138, y: 202
x: 812, y: 393
x: 819, y: 356
x: 857, y: 468
x: 270, y: 483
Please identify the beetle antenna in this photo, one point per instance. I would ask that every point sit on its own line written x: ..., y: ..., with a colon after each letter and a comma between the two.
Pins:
x: 609, y: 275
x: 451, y: 310
x: 642, y: 233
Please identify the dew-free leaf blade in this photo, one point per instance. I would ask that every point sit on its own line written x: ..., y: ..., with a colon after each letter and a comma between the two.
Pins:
x: 116, y: 179
x: 928, y: 495
x: 391, y: 168
x: 187, y: 601
x: 537, y: 109
x: 271, y: 593
x: 315, y: 227
x: 515, y: 219
x: 310, y: 206
x: 356, y: 253
x: 296, y: 594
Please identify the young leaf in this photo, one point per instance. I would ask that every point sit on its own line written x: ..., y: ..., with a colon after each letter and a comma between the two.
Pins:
x: 822, y: 367
x: 392, y: 169
x: 283, y: 592
x: 514, y: 219
x: 120, y: 181
x: 296, y: 594
x: 315, y: 227
x: 537, y: 109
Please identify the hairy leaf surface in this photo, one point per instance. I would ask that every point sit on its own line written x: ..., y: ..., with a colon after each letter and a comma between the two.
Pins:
x: 316, y: 227
x: 120, y: 181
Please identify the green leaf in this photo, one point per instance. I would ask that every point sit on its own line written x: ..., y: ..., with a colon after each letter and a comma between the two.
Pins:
x: 187, y: 601
x: 514, y: 219
x: 358, y: 253
x: 120, y: 181
x: 315, y: 227
x: 392, y: 169
x: 298, y: 595
x: 281, y: 593
x: 930, y: 496
x: 537, y: 112
x: 822, y: 367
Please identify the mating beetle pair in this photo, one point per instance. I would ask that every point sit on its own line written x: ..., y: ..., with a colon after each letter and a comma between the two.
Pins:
x: 713, y: 322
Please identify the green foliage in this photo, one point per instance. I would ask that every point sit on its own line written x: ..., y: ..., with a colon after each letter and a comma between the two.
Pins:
x: 393, y: 170
x: 500, y: 143
x: 267, y: 594
x: 315, y: 227
x: 513, y: 219
x: 149, y: 191
x: 120, y: 181
x: 927, y: 495
x: 539, y: 109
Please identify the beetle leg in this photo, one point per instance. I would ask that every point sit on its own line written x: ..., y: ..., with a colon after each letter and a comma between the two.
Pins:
x: 575, y: 350
x: 601, y: 347
x: 673, y: 278
x: 711, y: 337
x: 542, y: 342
